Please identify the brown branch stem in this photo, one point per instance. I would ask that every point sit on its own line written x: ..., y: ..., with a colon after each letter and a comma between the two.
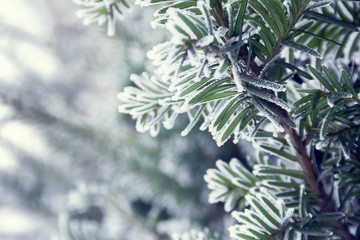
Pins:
x: 315, y: 186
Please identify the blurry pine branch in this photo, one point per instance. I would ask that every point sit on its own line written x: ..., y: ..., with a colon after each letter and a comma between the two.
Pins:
x: 95, y: 171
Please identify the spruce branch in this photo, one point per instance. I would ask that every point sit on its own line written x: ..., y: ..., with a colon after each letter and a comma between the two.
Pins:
x: 223, y: 78
x: 312, y: 180
x: 301, y: 154
x: 287, y: 30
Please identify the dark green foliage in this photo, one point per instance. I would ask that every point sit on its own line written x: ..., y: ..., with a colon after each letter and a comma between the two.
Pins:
x: 226, y: 66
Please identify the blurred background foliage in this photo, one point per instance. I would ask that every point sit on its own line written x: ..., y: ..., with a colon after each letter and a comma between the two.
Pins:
x: 71, y: 167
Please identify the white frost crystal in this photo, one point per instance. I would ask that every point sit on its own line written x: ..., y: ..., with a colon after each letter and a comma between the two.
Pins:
x: 205, y: 41
x: 262, y: 205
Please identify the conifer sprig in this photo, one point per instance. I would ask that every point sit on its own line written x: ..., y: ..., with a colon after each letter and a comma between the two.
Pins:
x: 230, y: 67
